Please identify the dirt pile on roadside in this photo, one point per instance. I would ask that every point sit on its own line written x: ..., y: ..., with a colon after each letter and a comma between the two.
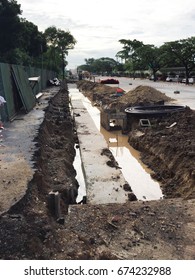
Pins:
x: 144, y: 95
x: 141, y: 95
x: 95, y: 91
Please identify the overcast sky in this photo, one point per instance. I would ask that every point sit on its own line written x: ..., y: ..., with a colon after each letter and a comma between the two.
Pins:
x: 98, y: 25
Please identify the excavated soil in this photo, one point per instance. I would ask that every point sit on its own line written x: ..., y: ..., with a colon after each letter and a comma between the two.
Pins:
x: 105, y: 95
x: 168, y: 150
x: 161, y: 229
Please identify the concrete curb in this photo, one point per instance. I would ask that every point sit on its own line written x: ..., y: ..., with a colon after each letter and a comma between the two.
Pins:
x: 104, y: 184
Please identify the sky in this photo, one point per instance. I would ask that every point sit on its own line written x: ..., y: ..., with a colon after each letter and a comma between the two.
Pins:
x: 98, y: 26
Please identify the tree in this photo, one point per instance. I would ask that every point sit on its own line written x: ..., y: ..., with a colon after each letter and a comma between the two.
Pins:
x: 183, y: 51
x: 152, y: 58
x: 89, y: 66
x: 105, y: 64
x: 129, y: 48
x: 21, y: 42
x: 100, y: 65
x: 10, y: 27
x: 31, y: 46
x: 32, y: 40
x: 129, y: 54
x: 61, y: 41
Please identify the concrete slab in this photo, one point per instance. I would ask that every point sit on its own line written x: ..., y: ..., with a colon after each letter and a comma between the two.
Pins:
x: 104, y: 184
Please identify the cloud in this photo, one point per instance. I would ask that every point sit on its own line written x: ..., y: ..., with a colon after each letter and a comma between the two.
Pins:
x: 98, y: 25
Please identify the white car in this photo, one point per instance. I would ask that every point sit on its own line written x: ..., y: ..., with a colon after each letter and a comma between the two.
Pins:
x: 173, y: 79
x: 190, y: 81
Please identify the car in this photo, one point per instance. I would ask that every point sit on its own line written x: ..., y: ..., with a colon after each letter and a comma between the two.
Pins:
x: 151, y: 78
x: 190, y: 81
x: 176, y: 78
x: 109, y: 81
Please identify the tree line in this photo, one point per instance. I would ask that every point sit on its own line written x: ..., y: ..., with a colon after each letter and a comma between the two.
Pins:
x: 22, y: 43
x: 137, y: 56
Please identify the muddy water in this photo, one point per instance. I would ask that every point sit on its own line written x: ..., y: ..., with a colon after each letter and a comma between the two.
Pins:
x: 80, y: 178
x: 134, y: 171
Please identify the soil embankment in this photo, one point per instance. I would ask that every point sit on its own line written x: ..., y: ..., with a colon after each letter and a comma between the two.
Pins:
x: 134, y: 230
x: 170, y: 152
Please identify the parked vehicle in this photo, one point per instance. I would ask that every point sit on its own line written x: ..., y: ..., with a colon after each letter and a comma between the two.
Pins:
x: 190, y: 81
x: 151, y: 78
x: 109, y: 81
x: 176, y: 78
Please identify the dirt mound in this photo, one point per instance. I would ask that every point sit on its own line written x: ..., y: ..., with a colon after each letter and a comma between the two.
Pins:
x: 142, y: 95
x: 91, y: 88
x: 106, y: 95
x: 99, y: 93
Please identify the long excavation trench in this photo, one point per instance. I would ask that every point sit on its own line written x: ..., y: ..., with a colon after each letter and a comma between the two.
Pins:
x: 133, y: 170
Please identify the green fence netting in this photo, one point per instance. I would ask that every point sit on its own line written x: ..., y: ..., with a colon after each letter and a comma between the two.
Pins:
x: 23, y: 86
x: 17, y: 90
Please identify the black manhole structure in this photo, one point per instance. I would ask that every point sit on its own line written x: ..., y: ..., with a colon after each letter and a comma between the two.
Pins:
x: 155, y: 109
x: 137, y: 116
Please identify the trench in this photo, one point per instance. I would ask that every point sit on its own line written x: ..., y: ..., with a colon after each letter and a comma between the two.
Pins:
x: 79, y: 177
x: 134, y: 171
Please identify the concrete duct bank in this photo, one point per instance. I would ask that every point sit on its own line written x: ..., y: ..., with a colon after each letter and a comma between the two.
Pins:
x: 136, y: 116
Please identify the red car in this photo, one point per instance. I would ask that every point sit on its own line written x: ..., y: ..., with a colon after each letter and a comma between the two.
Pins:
x: 109, y: 81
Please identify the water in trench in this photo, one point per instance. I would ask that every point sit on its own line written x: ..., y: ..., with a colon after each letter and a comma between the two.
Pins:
x: 134, y: 171
x: 80, y: 178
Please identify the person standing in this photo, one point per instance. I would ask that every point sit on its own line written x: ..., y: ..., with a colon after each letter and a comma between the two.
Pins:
x: 2, y: 102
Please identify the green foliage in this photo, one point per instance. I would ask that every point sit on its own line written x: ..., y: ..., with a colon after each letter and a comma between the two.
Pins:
x: 183, y: 52
x: 32, y: 41
x: 10, y: 27
x: 100, y: 65
x: 138, y: 56
x: 59, y: 42
x: 22, y: 43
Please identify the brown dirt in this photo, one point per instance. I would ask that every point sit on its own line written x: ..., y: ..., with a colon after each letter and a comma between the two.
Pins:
x: 135, y: 230
x: 170, y: 152
x: 143, y: 95
x: 103, y: 94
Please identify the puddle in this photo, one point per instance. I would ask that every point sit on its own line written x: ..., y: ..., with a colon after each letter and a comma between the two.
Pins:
x: 134, y: 171
x: 80, y: 177
x: 140, y: 181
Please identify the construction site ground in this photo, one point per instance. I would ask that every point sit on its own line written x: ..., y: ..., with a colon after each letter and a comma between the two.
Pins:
x: 160, y: 229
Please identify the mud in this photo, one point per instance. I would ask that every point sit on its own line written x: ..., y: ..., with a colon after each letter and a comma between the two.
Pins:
x: 161, y: 229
